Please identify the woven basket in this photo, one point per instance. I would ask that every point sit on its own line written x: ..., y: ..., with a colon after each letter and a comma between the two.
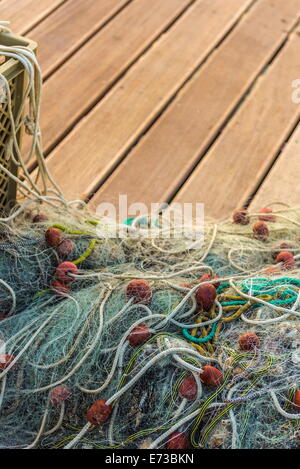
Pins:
x: 14, y: 73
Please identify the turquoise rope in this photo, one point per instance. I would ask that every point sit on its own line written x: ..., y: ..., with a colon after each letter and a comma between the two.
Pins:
x: 264, y: 283
x: 201, y: 339
x: 266, y: 286
x: 272, y: 302
x: 234, y: 302
x: 222, y: 287
x: 129, y: 221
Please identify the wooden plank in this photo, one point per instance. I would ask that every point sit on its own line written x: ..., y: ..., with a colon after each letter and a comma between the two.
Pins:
x: 239, y: 160
x: 25, y: 14
x: 104, y: 136
x: 282, y: 182
x: 166, y: 155
x: 113, y: 49
x: 63, y: 32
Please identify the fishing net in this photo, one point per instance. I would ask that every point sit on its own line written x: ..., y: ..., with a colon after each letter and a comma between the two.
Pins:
x: 90, y: 359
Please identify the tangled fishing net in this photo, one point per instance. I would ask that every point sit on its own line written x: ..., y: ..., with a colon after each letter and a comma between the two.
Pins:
x: 142, y: 342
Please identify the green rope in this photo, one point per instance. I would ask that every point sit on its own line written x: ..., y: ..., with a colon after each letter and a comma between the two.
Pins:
x: 67, y: 230
x: 86, y: 253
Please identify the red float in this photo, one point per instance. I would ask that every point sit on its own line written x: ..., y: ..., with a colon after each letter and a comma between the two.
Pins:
x: 297, y: 400
x: 60, y: 288
x: 53, y: 237
x: 188, y: 388
x: 284, y: 246
x: 139, y: 335
x: 5, y: 361
x: 64, y: 269
x: 205, y: 296
x: 178, y: 440
x: 287, y: 260
x: 39, y: 218
x: 208, y: 277
x: 271, y: 271
x: 60, y: 394
x: 265, y: 217
x: 211, y: 376
x: 140, y: 290
x: 241, y: 216
x: 260, y: 231
x: 65, y: 248
x: 248, y: 341
x: 99, y: 412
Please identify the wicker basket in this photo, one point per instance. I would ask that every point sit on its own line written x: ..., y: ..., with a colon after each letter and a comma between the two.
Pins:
x: 14, y: 73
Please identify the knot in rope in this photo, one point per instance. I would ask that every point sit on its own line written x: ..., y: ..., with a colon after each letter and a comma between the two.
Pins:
x: 30, y: 126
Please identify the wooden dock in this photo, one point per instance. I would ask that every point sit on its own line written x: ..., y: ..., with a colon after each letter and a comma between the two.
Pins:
x: 169, y: 100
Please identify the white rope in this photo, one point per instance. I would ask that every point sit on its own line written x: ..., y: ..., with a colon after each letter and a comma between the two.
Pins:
x: 280, y: 409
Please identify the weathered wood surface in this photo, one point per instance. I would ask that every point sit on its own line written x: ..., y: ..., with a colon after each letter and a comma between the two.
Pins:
x: 25, y: 14
x: 170, y: 150
x: 102, y: 138
x: 243, y: 154
x: 96, y: 66
x: 174, y: 100
x: 283, y: 181
x: 69, y: 27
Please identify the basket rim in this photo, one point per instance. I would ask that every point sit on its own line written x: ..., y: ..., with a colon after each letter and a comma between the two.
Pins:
x: 10, y: 39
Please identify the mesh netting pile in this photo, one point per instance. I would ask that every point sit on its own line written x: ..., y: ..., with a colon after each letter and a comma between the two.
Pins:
x: 88, y: 362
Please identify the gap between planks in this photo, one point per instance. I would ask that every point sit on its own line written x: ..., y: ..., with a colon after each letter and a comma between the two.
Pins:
x: 282, y: 184
x: 101, y: 62
x: 69, y: 27
x: 238, y: 161
x: 111, y: 128
x: 25, y: 14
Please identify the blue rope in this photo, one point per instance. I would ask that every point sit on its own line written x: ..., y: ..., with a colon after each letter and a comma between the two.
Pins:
x: 26, y: 241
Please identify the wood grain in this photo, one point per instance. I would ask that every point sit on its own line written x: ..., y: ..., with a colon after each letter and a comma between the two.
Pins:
x: 167, y: 154
x: 239, y: 160
x: 90, y: 72
x: 113, y: 126
x: 67, y: 28
x: 25, y: 14
x: 282, y: 182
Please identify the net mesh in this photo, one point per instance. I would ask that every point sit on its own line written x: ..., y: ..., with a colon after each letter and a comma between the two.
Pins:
x: 63, y: 350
